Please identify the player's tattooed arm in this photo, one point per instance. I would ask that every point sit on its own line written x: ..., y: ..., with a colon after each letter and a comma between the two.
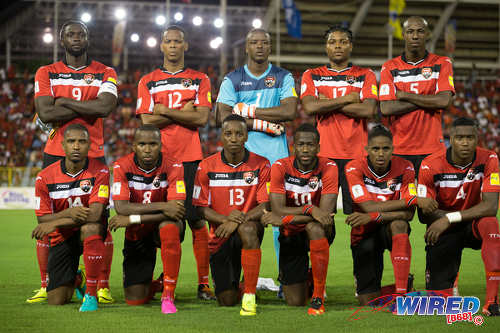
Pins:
x: 48, y: 112
x: 286, y: 111
x: 322, y: 105
x: 433, y: 102
x: 365, y: 109
x: 100, y: 107
x: 396, y: 108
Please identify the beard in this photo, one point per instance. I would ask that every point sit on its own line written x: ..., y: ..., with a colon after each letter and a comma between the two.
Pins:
x: 76, y: 53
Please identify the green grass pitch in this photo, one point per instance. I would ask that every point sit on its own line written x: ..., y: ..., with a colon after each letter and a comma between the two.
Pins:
x: 19, y: 276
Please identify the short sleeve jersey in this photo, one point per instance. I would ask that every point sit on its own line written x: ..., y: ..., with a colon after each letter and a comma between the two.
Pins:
x: 341, y: 136
x: 174, y: 90
x: 418, y: 132
x: 265, y: 91
x: 365, y: 185
x: 225, y: 187
x: 458, y: 188
x: 57, y: 190
x: 81, y: 84
x: 134, y: 184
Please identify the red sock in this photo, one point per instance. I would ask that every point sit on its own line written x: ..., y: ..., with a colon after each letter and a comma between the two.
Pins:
x: 93, y: 252
x: 200, y: 249
x: 401, y: 259
x: 490, y: 252
x: 42, y: 254
x: 171, y: 258
x: 107, y: 260
x: 250, y: 262
x: 320, y: 255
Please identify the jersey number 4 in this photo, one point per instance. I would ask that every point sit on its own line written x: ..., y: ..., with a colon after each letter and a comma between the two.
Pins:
x: 461, y: 193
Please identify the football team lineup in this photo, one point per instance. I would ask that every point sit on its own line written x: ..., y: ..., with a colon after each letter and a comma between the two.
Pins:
x: 389, y: 175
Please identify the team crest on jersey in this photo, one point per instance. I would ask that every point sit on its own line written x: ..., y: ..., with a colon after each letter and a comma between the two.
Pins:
x: 269, y: 81
x: 313, y: 182
x: 470, y: 175
x: 248, y: 177
x: 350, y: 79
x: 88, y: 78
x: 85, y: 185
x: 186, y: 83
x: 391, y: 184
x: 427, y: 72
x: 156, y: 182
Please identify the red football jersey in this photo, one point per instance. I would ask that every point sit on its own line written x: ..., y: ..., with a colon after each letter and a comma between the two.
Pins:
x: 303, y: 188
x: 82, y: 84
x: 174, y: 90
x: 132, y: 183
x: 456, y: 188
x: 57, y: 190
x: 225, y: 187
x: 418, y: 132
x: 365, y: 185
x: 341, y: 136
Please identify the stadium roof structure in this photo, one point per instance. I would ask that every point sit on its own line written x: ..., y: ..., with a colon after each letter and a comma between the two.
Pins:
x: 23, y: 23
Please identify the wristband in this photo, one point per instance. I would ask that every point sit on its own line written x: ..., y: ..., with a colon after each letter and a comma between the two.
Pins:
x: 134, y: 219
x: 287, y: 219
x: 454, y: 217
x: 376, y: 217
x: 307, y: 209
x: 411, y: 201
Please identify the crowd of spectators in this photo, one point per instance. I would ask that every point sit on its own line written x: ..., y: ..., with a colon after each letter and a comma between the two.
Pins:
x: 21, y: 142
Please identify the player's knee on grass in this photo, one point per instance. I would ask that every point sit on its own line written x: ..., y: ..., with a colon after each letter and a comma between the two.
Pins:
x: 137, y: 292
x: 248, y: 234
x: 315, y: 231
x: 296, y: 294
x: 90, y: 229
x: 228, y: 297
x: 60, y: 296
x: 399, y: 227
x: 197, y: 224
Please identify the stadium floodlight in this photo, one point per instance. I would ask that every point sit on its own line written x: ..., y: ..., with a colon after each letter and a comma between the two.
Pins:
x: 218, y: 23
x: 134, y: 37
x: 86, y: 17
x: 120, y: 13
x: 178, y: 16
x: 151, y: 42
x: 47, y: 38
x: 160, y: 20
x: 256, y: 23
x: 197, y: 20
x: 216, y: 42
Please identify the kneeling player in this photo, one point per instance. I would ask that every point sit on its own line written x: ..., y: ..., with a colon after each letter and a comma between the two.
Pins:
x: 304, y: 193
x: 465, y: 182
x: 71, y: 197
x: 231, y: 193
x: 383, y: 191
x: 149, y: 193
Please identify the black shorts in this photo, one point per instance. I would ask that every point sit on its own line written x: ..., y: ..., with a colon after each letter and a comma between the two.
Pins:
x: 443, y: 259
x: 368, y: 259
x: 190, y: 169
x: 49, y: 159
x: 346, y: 194
x: 294, y: 258
x: 63, y: 262
x: 225, y: 264
x: 416, y: 160
x: 139, y: 259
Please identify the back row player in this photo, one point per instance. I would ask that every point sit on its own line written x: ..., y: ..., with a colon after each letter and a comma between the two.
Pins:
x: 76, y: 90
